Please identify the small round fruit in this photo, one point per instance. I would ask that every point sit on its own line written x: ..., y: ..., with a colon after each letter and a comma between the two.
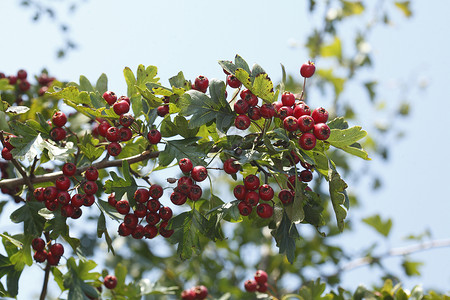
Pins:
x: 264, y: 210
x: 126, y: 120
x: 199, y: 173
x: 52, y: 259
x: 38, y: 244
x: 88, y: 200
x: 50, y: 193
x: 112, y: 134
x: 244, y: 208
x: 241, y: 107
x: 121, y: 107
x: 231, y: 166
x: 261, y: 276
x: 285, y: 111
x: 242, y: 122
x: 201, y: 292
x: 141, y: 210
x: 250, y: 285
x: 305, y: 123
x: 38, y: 193
x: 22, y: 74
x: 188, y: 295
x: 156, y: 191
x: 67, y: 211
x: 249, y: 97
x: 153, y: 205
x: 150, y: 231
x: 195, y: 192
x: 90, y: 187
x: 123, y: 207
x: 114, y: 149
x: 91, y: 173
x: 58, y: 134
x: 266, y: 192
x: 178, y: 198
x: 110, y: 97
x: 77, y: 212
x: 51, y: 205
x: 290, y: 123
x: 233, y: 82
x: 267, y: 111
x: 130, y: 220
x: 251, y: 182
x: 254, y: 113
x: 164, y: 231
x: 138, y: 232
x: 201, y: 83
x: 103, y: 128
x: 307, y: 141
x: 152, y: 218
x: 112, y: 200
x: 110, y: 281
x: 141, y: 195
x: 251, y: 198
x: 162, y: 110
x: 301, y: 109
x: 286, y: 196
x: 239, y: 192
x: 185, y: 165
x: 125, y: 134
x: 69, y: 169
x: 6, y: 154
x: 77, y: 200
x: 57, y: 249
x: 124, y: 98
x: 306, y: 175
x: 40, y: 256
x: 154, y: 136
x: 307, y: 70
x: 322, y: 131
x: 62, y: 183
x: 320, y: 115
x: 262, y: 288
x: 165, y: 213
x: 63, y: 197
x: 288, y: 99
x: 59, y: 119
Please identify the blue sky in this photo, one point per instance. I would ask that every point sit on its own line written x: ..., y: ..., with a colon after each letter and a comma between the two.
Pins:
x: 192, y: 36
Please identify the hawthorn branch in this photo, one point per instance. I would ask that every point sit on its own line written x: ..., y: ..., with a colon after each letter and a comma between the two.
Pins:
x: 11, y: 183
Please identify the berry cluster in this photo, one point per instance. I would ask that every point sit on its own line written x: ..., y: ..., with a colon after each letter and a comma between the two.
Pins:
x: 286, y: 196
x: 198, y: 292
x: 7, y: 147
x: 58, y: 196
x: 52, y: 254
x: 57, y: 133
x: 186, y: 185
x: 259, y: 283
x: 249, y: 195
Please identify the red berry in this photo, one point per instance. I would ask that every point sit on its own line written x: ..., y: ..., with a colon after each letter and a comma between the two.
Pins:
x: 251, y: 182
x: 301, y: 109
x: 141, y: 195
x: 58, y: 134
x: 52, y: 259
x: 39, y: 194
x: 195, y: 192
x: 24, y: 85
x: 306, y: 175
x: 264, y: 210
x: 38, y: 244
x: 124, y: 230
x: 63, y: 197
x: 125, y: 134
x: 239, y: 192
x: 262, y: 288
x: 67, y: 211
x: 121, y: 107
x: 114, y: 149
x: 153, y: 205
x: 286, y: 196
x: 250, y: 285
x: 77, y: 200
x: 156, y: 191
x: 40, y: 256
x: 50, y: 193
x: 22, y: 74
x: 62, y: 183
x: 88, y: 200
x: 154, y: 136
x: 251, y: 198
x: 90, y: 187
x: 305, y: 123
x: 51, y: 205
x: 69, y: 169
x: 307, y: 141
x: 199, y: 173
x: 6, y: 154
x: 254, y: 113
x: 59, y: 119
x: 201, y: 292
x: 244, y: 208
x: 233, y: 82
x: 285, y: 111
x: 261, y: 277
x: 165, y: 213
x: 241, y: 106
x: 57, y: 249
x: 267, y: 111
x: 112, y: 134
x: 12, y: 79
x: 290, y: 123
x: 103, y: 128
x: 185, y: 165
x: 77, y: 212
x: 124, y: 98
x: 231, y: 166
x: 242, y: 122
x: 322, y: 131
x: 201, y: 83
x: 152, y: 218
x: 307, y: 70
x: 150, y: 231
x: 162, y: 110
x: 141, y: 210
x: 178, y: 198
x: 91, y: 173
x: 249, y: 97
x: 110, y: 282
x: 110, y: 97
x: 8, y: 141
x: 130, y: 220
x: 266, y: 192
x: 320, y: 115
x: 277, y: 106
x: 288, y: 99
x: 112, y: 200
x: 126, y: 120
x: 123, y: 207
x: 163, y: 231
x: 188, y: 295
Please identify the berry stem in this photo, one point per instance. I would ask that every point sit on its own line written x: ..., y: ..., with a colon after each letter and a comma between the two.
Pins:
x: 303, y: 89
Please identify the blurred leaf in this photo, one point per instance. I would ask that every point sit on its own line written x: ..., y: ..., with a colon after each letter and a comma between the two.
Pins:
x: 352, y: 8
x: 411, y: 267
x: 404, y: 7
x: 332, y: 49
x: 337, y: 82
x: 79, y: 279
x: 370, y: 87
x: 382, y: 227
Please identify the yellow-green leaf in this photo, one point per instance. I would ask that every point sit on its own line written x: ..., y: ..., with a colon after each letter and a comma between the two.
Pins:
x: 404, y: 7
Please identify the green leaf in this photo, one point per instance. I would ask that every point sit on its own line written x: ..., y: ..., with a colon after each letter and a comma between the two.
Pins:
x: 383, y: 227
x: 179, y: 126
x: 178, y: 149
x: 337, y: 82
x: 102, y: 230
x: 130, y: 80
x: 90, y: 151
x: 28, y: 214
x: 338, y: 195
x: 102, y: 84
x: 79, y: 279
x: 345, y: 139
x: 186, y: 234
x: 332, y: 49
x: 85, y: 85
x: 411, y: 267
x: 178, y: 81
x: 285, y: 235
x: 313, y: 290
x: 72, y: 94
x: 12, y: 275
x: 261, y: 85
x: 352, y: 8
x: 404, y: 7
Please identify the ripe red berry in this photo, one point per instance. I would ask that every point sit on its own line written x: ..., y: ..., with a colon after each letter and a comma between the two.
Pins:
x: 38, y: 193
x: 233, y: 82
x: 52, y: 259
x: 231, y: 166
x: 57, y: 249
x: 91, y: 173
x: 130, y: 220
x: 267, y: 111
x: 8, y: 141
x: 141, y: 210
x: 262, y: 288
x: 123, y: 207
x: 290, y: 123
x: 38, y: 244
x: 59, y: 119
x: 154, y: 136
x: 165, y: 213
x: 110, y: 97
x: 114, y: 149
x: 63, y: 197
x: 162, y: 110
x: 261, y: 276
x: 12, y: 79
x: 199, y: 173
x: 195, y: 192
x: 88, y: 200
x: 22, y: 74
x: 305, y: 123
x: 50, y: 193
x: 307, y: 141
x: 307, y: 70
x: 112, y: 134
x: 156, y: 191
x: 125, y: 134
x: 6, y: 154
x: 264, y: 210
x: 239, y: 192
x: 185, y: 165
x: 178, y: 198
x: 254, y: 113
x: 322, y: 131
x: 288, y: 99
x: 251, y: 182
x: 320, y: 115
x: 152, y: 218
x: 266, y: 192
x: 69, y: 169
x: 244, y: 208
x: 124, y: 230
x: 121, y: 107
x: 164, y: 231
x: 124, y: 98
x: 112, y: 200
x: 306, y: 175
x: 77, y: 200
x: 201, y: 83
x: 141, y: 195
x: 126, y: 120
x: 250, y: 285
x: 103, y: 128
x: 201, y: 292
x: 242, y: 122
x: 51, y: 205
x: 153, y: 205
x: 285, y: 111
x: 150, y: 231
x: 24, y: 85
x: 77, y: 212
x: 188, y: 295
x: 90, y: 187
x: 241, y: 107
x: 301, y: 109
x: 67, y: 211
x: 286, y: 196
x: 62, y: 183
x: 110, y: 282
x: 40, y: 256
x: 58, y: 134
x: 249, y: 97
x: 251, y: 198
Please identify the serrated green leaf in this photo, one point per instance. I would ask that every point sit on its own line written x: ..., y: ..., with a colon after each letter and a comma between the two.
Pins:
x: 383, y: 227
x: 130, y: 80
x: 28, y: 214
x: 72, y: 94
x: 90, y: 151
x: 178, y: 149
x: 186, y: 234
x: 346, y: 139
x: 285, y: 235
x: 178, y: 81
x: 338, y: 195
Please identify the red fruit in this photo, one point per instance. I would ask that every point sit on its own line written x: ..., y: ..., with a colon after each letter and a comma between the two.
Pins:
x: 63, y: 197
x: 195, y: 192
x: 114, y: 149
x: 125, y: 134
x: 233, y: 82
x: 8, y: 141
x: 288, y: 99
x: 201, y: 83
x: 306, y: 175
x: 290, y: 124
x: 254, y: 113
x: 77, y: 212
x: 322, y: 131
x: 277, y: 106
x: 306, y: 165
x: 163, y: 231
x: 57, y: 249
x: 307, y: 70
x: 126, y: 120
x: 112, y: 134
x: 69, y: 169
x: 38, y: 193
x: 153, y: 205
x: 307, y: 141
x: 24, y: 85
x: 231, y: 166
x: 6, y: 154
x: 244, y: 208
x: 250, y: 285
x: 52, y: 259
x: 121, y: 107
x: 50, y: 193
x: 123, y: 207
x: 58, y: 134
x: 285, y: 111
x: 12, y: 79
x: 162, y: 110
x: 110, y: 97
x: 241, y: 107
x: 77, y: 200
x: 261, y: 277
x: 286, y: 196
x: 201, y: 292
x: 165, y: 213
x: 239, y: 192
x: 301, y: 109
x: 141, y: 195
x: 305, y: 123
x: 249, y: 97
x: 267, y: 111
x: 262, y: 288
x: 185, y: 165
x: 42, y: 90
x: 130, y: 220
x: 51, y: 205
x: 124, y: 230
x: 251, y: 182
x: 152, y: 218
x: 40, y: 256
x: 59, y: 119
x: 320, y: 115
x: 38, y: 244
x: 124, y: 98
x: 266, y: 192
x: 141, y: 210
x: 188, y: 295
x: 178, y: 198
x: 110, y: 282
x: 91, y: 173
x: 103, y: 128
x: 62, y: 183
x: 199, y: 173
x: 264, y: 210
x: 184, y: 184
x: 112, y: 200
x: 90, y: 187
x: 242, y: 122
x: 22, y: 74
x: 67, y: 211
x: 154, y: 136
x: 150, y: 231
x: 88, y: 200
x: 156, y: 191
x: 251, y: 198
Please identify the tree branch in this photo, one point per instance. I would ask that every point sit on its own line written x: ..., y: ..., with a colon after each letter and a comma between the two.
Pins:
x: 11, y: 183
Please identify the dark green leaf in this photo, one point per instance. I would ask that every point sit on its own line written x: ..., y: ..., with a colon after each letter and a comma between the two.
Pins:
x: 285, y: 235
x: 178, y: 149
x: 338, y: 195
x: 28, y: 214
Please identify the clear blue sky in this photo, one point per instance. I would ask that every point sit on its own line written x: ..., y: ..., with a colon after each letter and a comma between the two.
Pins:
x: 192, y: 36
